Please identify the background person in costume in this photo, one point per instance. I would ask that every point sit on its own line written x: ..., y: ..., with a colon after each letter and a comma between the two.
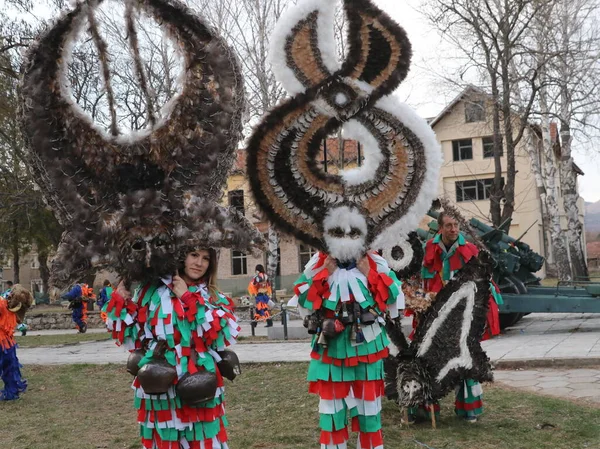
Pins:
x: 260, y: 289
x: 445, y: 255
x: 12, y: 311
x: 78, y: 298
x: 103, y: 297
x: 22, y: 325
x: 184, y: 323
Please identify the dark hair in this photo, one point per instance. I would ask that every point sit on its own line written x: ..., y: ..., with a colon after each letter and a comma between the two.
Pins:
x: 106, y: 283
x: 211, y: 274
x: 440, y: 219
x: 9, y: 283
x: 260, y: 268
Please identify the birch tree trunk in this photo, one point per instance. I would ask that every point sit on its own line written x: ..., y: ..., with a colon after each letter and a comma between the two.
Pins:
x: 569, y: 181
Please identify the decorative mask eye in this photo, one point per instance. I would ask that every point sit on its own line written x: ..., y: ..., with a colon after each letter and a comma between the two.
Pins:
x: 159, y: 242
x: 355, y: 233
x: 138, y: 245
x: 337, y: 232
x: 397, y: 253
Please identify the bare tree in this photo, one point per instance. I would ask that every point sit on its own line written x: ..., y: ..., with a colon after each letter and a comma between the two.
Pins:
x: 247, y: 26
x: 491, y: 34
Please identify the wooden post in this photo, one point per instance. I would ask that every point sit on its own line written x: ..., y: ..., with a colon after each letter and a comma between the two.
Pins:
x: 405, y: 416
x: 432, y: 412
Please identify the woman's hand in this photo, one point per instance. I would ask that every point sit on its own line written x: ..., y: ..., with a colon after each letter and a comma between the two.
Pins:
x: 123, y: 291
x: 180, y: 287
x: 363, y: 266
x: 331, y: 264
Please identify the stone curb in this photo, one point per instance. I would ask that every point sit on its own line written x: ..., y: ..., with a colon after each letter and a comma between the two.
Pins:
x: 575, y: 362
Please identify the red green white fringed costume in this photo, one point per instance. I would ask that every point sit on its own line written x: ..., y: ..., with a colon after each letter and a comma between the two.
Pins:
x: 195, y: 327
x: 439, y: 266
x: 348, y: 376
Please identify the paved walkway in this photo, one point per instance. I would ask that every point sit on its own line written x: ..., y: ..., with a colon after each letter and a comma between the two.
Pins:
x: 551, y: 354
x: 583, y: 384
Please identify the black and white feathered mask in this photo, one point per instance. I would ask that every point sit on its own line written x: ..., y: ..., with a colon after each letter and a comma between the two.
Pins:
x: 135, y: 203
x: 360, y: 208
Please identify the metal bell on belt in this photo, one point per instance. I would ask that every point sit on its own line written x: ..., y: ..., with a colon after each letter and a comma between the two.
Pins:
x: 229, y: 366
x: 156, y: 377
x: 133, y: 361
x: 194, y: 389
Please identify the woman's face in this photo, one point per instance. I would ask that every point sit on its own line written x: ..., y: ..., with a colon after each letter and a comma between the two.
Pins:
x: 196, y: 265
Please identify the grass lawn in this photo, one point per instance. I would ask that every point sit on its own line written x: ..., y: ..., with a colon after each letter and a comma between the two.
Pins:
x: 31, y: 341
x: 90, y: 407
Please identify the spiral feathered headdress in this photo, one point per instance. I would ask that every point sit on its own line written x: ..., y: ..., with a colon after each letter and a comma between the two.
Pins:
x: 361, y: 208
x: 136, y: 203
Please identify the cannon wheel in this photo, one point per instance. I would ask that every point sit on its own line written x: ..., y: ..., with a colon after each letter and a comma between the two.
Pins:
x: 509, y: 319
x: 515, y: 286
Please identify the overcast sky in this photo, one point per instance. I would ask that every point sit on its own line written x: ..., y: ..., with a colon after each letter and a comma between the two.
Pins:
x: 417, y: 89
x: 422, y: 89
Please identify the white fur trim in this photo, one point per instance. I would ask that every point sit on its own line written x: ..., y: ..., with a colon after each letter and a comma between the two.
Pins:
x: 465, y: 293
x: 345, y: 248
x: 399, y: 264
x: 326, y: 38
x: 433, y: 162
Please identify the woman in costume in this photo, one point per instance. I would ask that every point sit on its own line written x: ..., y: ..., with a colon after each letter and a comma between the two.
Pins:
x: 260, y: 288
x: 12, y: 311
x: 185, y: 322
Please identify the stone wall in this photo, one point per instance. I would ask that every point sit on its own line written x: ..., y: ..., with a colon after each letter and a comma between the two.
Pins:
x: 59, y: 320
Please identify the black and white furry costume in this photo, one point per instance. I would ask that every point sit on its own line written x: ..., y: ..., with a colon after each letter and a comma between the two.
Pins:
x: 136, y: 203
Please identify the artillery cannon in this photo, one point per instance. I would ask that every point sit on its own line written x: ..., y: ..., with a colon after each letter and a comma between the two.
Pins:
x: 514, y: 273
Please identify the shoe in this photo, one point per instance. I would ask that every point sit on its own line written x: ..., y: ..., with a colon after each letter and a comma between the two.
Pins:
x: 83, y: 328
x: 471, y: 419
x: 23, y: 333
x: 411, y: 420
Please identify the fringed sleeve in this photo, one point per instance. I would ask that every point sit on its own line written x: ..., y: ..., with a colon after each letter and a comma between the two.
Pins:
x: 384, y: 286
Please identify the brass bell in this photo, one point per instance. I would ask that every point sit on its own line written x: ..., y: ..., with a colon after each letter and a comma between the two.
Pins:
x: 157, y: 376
x: 134, y: 360
x: 229, y: 366
x: 194, y: 389
x: 322, y: 340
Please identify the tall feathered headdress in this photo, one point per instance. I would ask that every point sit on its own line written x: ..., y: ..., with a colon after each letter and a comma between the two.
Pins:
x: 136, y: 203
x: 366, y: 207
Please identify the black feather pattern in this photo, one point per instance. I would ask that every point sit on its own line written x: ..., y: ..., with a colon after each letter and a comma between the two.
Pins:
x: 433, y: 360
x: 159, y: 191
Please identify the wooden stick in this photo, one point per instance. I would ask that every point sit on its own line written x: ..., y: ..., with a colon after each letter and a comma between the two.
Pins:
x: 405, y: 415
x: 432, y: 412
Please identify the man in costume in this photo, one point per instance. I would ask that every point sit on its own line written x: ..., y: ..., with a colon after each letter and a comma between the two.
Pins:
x: 346, y: 288
x: 260, y: 288
x: 12, y: 311
x: 445, y: 255
x: 21, y: 326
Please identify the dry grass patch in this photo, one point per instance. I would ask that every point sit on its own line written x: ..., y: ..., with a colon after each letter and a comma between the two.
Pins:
x: 90, y: 407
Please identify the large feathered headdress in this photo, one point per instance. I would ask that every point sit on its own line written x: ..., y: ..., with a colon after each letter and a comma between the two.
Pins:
x: 136, y: 203
x: 343, y: 214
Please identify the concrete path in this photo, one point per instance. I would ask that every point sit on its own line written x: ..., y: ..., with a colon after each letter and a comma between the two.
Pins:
x: 581, y: 384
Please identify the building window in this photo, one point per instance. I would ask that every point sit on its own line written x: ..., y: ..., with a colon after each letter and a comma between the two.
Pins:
x: 35, y: 263
x: 305, y: 252
x: 462, y: 150
x: 474, y: 111
x: 266, y: 261
x: 37, y: 286
x: 236, y: 200
x: 474, y: 190
x: 488, y: 146
x: 239, y: 263
x: 6, y: 262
